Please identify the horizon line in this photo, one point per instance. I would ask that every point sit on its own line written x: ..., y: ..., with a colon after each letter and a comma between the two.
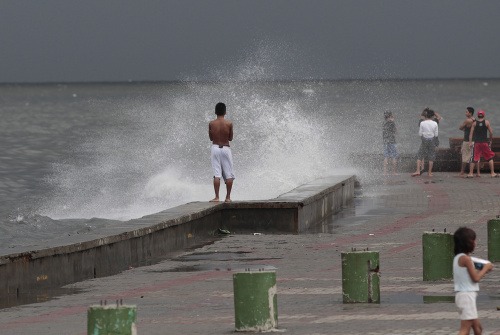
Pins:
x: 179, y: 81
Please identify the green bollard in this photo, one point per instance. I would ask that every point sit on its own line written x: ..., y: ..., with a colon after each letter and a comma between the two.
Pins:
x: 494, y: 240
x: 437, y: 256
x: 360, y: 277
x: 111, y: 320
x: 255, y: 300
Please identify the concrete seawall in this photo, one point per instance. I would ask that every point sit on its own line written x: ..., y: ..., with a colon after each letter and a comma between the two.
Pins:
x: 142, y: 241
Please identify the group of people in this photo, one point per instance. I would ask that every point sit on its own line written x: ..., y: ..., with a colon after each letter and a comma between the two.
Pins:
x: 476, y: 143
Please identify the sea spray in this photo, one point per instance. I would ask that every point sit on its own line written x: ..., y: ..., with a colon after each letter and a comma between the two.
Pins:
x: 156, y: 154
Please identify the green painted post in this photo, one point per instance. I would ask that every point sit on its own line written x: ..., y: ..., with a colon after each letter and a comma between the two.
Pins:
x: 494, y: 240
x: 360, y: 277
x: 437, y: 255
x: 111, y: 320
x: 255, y: 300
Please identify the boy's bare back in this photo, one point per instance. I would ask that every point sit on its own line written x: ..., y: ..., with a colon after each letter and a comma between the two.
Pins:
x: 220, y: 131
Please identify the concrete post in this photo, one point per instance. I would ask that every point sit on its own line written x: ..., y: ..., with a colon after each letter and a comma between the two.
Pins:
x: 111, y: 320
x: 255, y: 300
x: 360, y: 277
x: 494, y: 240
x: 438, y: 256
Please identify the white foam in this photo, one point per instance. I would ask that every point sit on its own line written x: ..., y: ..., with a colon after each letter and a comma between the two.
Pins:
x: 157, y: 154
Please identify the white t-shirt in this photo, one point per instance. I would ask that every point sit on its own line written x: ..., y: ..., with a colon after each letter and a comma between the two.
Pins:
x: 428, y: 129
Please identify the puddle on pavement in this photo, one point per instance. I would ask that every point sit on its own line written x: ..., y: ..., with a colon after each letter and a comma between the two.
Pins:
x: 220, y: 256
x: 412, y: 298
x: 215, y: 267
x: 218, y: 261
x: 357, y: 212
x: 24, y: 298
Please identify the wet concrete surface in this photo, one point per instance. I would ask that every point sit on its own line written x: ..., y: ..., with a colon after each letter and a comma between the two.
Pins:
x: 192, y: 292
x: 39, y: 296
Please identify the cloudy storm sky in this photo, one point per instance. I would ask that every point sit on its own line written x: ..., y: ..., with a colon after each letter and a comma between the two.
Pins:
x: 162, y: 40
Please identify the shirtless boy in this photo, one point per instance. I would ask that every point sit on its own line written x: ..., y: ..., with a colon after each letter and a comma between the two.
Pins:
x: 478, y: 139
x: 466, y: 150
x: 220, y: 132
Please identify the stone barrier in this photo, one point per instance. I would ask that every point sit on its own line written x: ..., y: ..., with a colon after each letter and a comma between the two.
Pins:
x: 494, y: 240
x: 255, y: 300
x: 360, y: 277
x: 437, y: 256
x: 111, y: 320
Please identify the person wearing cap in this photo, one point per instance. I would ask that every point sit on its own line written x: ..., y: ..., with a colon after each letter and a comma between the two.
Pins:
x: 389, y: 138
x: 466, y: 150
x: 478, y: 139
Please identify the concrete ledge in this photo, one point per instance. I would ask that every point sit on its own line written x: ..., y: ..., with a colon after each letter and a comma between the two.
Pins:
x: 294, y: 211
x: 145, y: 240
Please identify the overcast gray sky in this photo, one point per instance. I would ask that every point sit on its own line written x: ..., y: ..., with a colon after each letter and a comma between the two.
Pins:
x: 119, y: 40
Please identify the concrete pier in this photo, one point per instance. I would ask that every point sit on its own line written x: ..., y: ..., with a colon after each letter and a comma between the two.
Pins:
x: 152, y: 237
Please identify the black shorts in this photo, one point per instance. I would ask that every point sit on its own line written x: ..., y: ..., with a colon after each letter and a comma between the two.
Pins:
x: 427, y: 150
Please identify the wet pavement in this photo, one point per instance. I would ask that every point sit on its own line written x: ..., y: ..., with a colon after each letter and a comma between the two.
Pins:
x: 193, y: 292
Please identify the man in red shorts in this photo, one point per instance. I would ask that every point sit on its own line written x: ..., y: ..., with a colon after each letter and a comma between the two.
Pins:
x: 478, y: 139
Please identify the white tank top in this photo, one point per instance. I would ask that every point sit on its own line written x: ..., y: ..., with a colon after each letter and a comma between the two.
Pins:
x: 461, y: 277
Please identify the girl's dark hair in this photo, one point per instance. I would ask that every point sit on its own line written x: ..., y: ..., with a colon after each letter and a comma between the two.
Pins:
x: 464, y: 240
x: 430, y: 113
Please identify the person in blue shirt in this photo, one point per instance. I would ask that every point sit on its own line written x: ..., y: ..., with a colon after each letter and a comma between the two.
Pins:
x: 389, y: 138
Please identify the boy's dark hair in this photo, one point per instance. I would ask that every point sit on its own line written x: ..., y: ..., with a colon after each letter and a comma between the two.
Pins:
x: 471, y: 110
x: 220, y: 109
x: 387, y: 115
x: 464, y: 240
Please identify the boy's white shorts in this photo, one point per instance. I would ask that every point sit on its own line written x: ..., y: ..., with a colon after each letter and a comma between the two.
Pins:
x: 222, y: 162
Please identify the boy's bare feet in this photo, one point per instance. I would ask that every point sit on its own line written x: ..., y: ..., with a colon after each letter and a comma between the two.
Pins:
x: 430, y: 175
x: 215, y: 200
x: 227, y: 200
x: 415, y: 174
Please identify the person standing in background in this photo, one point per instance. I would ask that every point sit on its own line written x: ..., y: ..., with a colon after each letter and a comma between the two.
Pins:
x: 466, y: 150
x: 478, y: 139
x: 435, y: 118
x: 428, y: 133
x: 389, y: 138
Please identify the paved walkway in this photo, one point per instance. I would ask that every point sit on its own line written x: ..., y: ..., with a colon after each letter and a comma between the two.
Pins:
x: 193, y: 294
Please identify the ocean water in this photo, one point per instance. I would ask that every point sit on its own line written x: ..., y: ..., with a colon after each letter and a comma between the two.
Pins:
x: 76, y: 157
